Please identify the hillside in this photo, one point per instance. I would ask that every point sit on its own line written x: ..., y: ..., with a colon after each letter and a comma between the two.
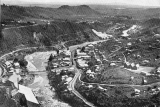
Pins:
x: 81, y: 11
x: 77, y: 10
x: 63, y: 12
x: 13, y: 12
x: 47, y: 35
x: 135, y: 12
x: 151, y: 22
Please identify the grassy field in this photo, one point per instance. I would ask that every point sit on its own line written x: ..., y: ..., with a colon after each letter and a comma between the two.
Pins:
x: 121, y: 76
x: 143, y: 69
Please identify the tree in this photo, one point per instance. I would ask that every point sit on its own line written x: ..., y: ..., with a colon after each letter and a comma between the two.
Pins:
x: 51, y: 58
x: 5, y: 100
x: 23, y: 63
x: 54, y: 80
x: 90, y: 64
x: 57, y: 51
x: 82, y: 49
x: 15, y: 60
x: 75, y: 54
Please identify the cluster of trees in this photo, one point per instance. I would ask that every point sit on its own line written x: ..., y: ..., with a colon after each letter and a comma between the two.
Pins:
x: 23, y: 64
x: 58, y: 31
x: 56, y: 82
x: 5, y: 100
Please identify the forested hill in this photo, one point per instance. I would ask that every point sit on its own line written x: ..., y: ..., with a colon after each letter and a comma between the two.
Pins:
x: 63, y: 12
x: 47, y: 35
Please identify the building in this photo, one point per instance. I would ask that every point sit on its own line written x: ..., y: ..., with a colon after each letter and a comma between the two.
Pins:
x: 132, y: 66
x: 84, y: 57
x: 137, y: 92
x: 137, y: 65
x: 16, y: 65
x: 28, y: 94
x: 55, y: 65
x: 82, y: 63
x: 157, y: 35
x: 90, y: 45
x: 112, y: 64
x: 68, y: 79
x: 90, y: 86
x: 129, y: 44
x: 82, y: 54
x: 67, y: 52
x: 89, y: 71
x: 8, y: 64
x: 66, y: 59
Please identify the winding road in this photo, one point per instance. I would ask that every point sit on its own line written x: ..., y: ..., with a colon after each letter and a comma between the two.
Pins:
x: 78, y: 72
x: 71, y: 85
x: 19, y: 27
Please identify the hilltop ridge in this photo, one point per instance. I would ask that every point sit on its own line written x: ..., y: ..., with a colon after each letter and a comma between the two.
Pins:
x: 63, y: 12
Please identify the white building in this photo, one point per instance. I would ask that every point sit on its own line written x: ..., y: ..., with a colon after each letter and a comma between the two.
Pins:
x: 82, y: 54
x: 101, y: 88
x: 54, y: 53
x: 90, y: 86
x: 90, y: 45
x: 71, y: 68
x: 112, y: 64
x: 158, y: 69
x: 132, y: 65
x: 137, y: 90
x: 137, y: 65
x: 67, y: 52
x: 89, y: 71
x: 66, y: 59
x: 28, y: 94
x: 82, y: 63
x: 127, y: 63
x: 129, y: 44
x: 145, y: 81
x: 132, y: 77
x: 8, y: 64
x: 16, y: 64
x: 85, y: 57
x: 68, y: 79
x: 64, y: 77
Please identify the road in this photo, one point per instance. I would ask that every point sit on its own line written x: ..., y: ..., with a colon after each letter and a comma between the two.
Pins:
x: 71, y: 85
x: 71, y: 48
x: 18, y: 27
x: 78, y: 73
x: 3, y: 56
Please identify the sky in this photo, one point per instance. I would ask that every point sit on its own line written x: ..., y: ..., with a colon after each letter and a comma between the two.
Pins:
x: 104, y: 2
